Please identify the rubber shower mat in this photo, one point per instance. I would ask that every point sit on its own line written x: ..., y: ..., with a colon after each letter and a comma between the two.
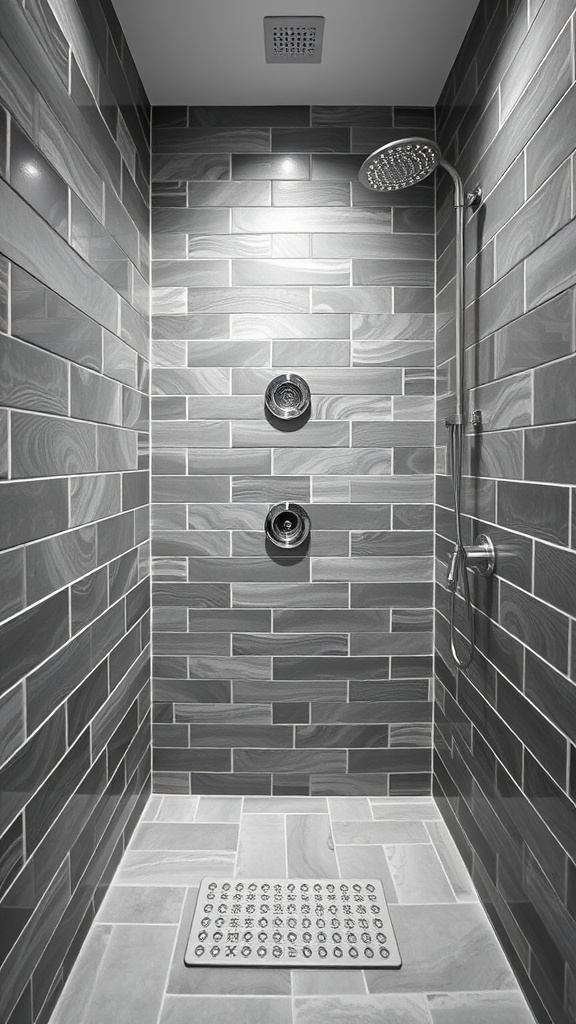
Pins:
x: 296, y: 922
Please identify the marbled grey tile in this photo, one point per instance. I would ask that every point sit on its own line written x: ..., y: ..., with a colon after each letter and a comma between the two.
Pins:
x: 191, y: 273
x: 67, y: 157
x: 150, y: 947
x: 195, y: 221
x: 418, y: 875
x: 294, y: 168
x: 238, y: 1010
x: 52, y: 563
x: 186, y: 381
x: 331, y: 461
x: 310, y: 193
x: 498, y: 1007
x: 142, y: 867
x: 184, y: 434
x: 290, y: 595
x: 556, y: 379
x: 311, y: 140
x: 356, y: 300
x: 94, y: 497
x: 181, y: 488
x: 261, y: 844
x: 248, y: 300
x: 462, y: 928
x: 351, y: 381
x: 451, y: 861
x: 362, y: 245
x: 269, y: 489
x: 17, y: 89
x: 229, y: 193
x: 28, y: 240
x: 290, y: 325
x: 133, y: 904
x: 210, y: 140
x: 12, y: 716
x: 310, y: 846
x: 399, y: 1009
x: 327, y: 982
x: 45, y: 446
x: 376, y: 570
x: 182, y: 167
x: 182, y: 836
x: 290, y: 272
x: 339, y: 219
x: 318, y: 644
x: 542, y: 216
x: 397, y: 272
x: 206, y: 246
x: 317, y: 352
x: 240, y: 460
x: 37, y: 181
x: 32, y: 379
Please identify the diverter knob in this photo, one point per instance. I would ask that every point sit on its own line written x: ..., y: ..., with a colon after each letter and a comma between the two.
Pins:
x: 287, y: 396
x: 287, y: 525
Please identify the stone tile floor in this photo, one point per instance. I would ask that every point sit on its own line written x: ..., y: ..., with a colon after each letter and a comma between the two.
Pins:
x: 131, y: 965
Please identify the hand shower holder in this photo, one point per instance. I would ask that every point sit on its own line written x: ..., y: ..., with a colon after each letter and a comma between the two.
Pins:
x: 481, y: 556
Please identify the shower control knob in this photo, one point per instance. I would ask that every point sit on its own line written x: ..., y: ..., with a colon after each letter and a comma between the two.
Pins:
x: 287, y: 396
x: 287, y: 525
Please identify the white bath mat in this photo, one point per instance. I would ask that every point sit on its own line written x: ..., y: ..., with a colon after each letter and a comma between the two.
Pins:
x: 292, y: 922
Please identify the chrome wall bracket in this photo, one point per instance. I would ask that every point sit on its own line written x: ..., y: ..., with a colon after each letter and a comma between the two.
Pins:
x: 481, y: 556
x: 473, y: 199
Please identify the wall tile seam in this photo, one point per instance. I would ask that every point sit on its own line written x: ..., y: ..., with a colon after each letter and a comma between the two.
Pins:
x: 70, y: 189
x: 139, y: 548
x: 474, y: 171
x: 503, y: 41
x: 68, y: 362
x: 83, y: 313
x: 510, y: 728
x: 536, y: 68
x: 66, y: 416
x: 64, y: 701
x: 93, y: 759
x: 101, y: 71
x: 86, y: 732
x: 90, y: 902
x: 478, y: 782
x: 520, y: 690
x: 486, y: 521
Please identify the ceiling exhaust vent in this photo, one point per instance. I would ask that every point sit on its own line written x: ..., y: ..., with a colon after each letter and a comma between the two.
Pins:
x: 293, y: 40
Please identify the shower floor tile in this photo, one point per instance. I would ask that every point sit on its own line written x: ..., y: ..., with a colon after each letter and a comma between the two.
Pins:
x: 133, y: 956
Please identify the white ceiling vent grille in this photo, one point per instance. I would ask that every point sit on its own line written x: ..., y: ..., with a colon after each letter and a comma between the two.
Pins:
x: 293, y: 40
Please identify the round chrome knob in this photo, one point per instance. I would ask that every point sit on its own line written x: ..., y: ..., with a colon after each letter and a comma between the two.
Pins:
x: 287, y: 525
x: 287, y: 396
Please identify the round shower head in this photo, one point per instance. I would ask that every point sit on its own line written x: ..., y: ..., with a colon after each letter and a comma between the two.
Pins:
x: 399, y: 164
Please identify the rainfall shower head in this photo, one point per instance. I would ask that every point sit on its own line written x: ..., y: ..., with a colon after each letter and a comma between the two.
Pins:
x: 399, y: 164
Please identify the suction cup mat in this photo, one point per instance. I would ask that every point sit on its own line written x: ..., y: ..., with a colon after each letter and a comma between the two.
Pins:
x: 295, y: 922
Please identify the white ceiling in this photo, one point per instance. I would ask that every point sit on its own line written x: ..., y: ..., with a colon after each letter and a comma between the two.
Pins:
x: 376, y: 52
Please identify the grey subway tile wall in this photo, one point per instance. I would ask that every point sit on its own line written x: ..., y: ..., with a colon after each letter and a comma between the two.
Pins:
x: 505, y: 743
x: 309, y: 674
x: 74, y: 533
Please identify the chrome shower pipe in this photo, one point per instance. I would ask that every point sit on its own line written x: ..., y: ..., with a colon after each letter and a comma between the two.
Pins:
x: 398, y: 165
x: 456, y: 424
x: 459, y: 205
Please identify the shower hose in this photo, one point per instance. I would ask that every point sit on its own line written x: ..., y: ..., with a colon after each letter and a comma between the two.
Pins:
x: 457, y: 574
